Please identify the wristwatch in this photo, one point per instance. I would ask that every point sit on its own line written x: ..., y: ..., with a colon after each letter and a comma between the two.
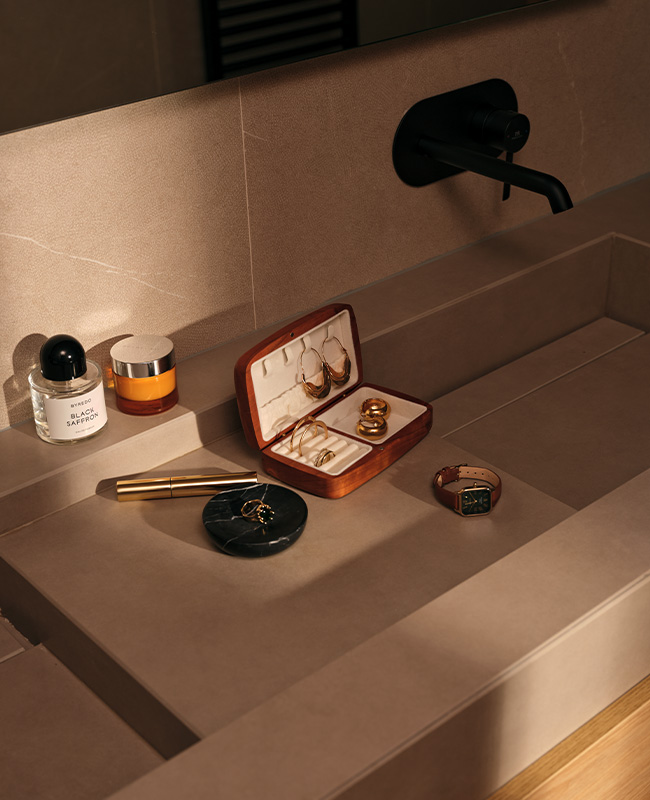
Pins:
x: 471, y: 501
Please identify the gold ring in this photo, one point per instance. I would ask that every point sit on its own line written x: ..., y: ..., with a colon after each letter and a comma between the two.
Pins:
x: 257, y: 511
x: 372, y: 427
x: 311, y: 425
x: 323, y: 457
x: 375, y: 407
x: 298, y: 426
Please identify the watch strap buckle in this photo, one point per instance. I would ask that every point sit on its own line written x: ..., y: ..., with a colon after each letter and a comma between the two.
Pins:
x: 449, y: 474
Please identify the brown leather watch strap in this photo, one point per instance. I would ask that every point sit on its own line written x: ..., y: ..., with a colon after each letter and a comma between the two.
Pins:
x: 452, y: 474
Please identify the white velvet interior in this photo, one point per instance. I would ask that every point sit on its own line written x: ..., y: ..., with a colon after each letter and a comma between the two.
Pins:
x: 347, y: 451
x: 348, y: 446
x: 279, y: 393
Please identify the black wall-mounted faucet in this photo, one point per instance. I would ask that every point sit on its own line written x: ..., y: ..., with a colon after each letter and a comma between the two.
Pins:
x: 468, y: 129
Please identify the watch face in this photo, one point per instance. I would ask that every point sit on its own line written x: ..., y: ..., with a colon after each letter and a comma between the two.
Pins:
x: 475, y: 500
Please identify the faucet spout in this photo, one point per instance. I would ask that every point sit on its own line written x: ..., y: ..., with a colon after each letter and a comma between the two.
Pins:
x: 465, y: 159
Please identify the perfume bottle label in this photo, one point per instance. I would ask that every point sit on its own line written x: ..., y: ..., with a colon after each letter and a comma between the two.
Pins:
x: 76, y: 417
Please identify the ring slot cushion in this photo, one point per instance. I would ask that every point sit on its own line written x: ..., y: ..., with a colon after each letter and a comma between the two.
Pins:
x: 271, y: 399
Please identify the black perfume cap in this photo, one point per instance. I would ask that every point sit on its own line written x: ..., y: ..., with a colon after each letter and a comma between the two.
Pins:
x: 62, y: 358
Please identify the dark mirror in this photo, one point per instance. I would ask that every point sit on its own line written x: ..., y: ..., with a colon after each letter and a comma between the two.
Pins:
x: 75, y: 56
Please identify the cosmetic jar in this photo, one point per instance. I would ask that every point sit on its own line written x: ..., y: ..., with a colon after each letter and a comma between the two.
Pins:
x: 67, y: 393
x: 144, y: 370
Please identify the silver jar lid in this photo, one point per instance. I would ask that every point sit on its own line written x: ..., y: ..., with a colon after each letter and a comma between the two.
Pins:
x: 142, y: 356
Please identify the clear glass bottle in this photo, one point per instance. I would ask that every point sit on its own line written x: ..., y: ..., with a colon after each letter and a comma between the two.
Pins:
x: 67, y: 393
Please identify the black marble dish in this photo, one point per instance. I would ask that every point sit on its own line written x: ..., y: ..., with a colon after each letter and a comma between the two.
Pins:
x: 238, y: 536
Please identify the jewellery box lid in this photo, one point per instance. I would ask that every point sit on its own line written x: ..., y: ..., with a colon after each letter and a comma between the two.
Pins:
x: 268, y: 378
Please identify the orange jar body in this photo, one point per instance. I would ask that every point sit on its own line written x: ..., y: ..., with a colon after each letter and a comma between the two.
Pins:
x: 144, y: 371
x: 146, y: 395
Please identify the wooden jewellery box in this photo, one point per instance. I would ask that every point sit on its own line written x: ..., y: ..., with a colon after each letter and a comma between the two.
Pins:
x: 272, y: 399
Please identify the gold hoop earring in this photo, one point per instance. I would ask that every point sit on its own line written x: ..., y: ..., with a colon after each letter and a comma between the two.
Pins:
x: 337, y: 377
x: 298, y: 426
x: 315, y: 425
x: 372, y: 427
x: 318, y: 392
x: 375, y: 407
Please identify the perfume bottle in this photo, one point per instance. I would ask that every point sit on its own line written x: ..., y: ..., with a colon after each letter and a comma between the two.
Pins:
x: 67, y: 393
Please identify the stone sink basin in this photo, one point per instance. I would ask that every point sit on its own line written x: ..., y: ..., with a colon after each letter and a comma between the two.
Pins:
x: 395, y: 638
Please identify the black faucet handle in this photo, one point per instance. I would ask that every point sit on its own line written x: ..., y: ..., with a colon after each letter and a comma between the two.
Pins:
x: 499, y: 127
x: 506, y: 186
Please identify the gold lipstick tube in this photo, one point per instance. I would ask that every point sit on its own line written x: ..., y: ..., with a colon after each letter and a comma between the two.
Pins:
x: 182, y: 485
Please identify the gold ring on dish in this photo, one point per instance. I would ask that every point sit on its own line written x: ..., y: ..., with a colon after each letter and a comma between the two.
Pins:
x: 323, y: 456
x: 372, y: 427
x: 257, y: 511
x: 315, y: 424
x: 298, y: 426
x: 375, y: 407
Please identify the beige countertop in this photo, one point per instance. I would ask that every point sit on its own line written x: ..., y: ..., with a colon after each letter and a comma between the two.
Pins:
x: 394, y: 638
